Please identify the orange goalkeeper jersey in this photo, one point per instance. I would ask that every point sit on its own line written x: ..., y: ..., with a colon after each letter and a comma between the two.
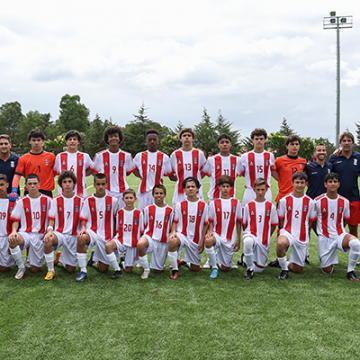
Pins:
x: 287, y: 166
x: 40, y: 164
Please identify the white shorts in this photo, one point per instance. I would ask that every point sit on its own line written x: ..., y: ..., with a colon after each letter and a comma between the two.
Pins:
x: 260, y: 252
x: 36, y: 250
x: 69, y: 250
x: 298, y: 252
x: 100, y: 252
x: 6, y: 259
x: 158, y: 251
x: 226, y: 251
x: 119, y: 197
x: 131, y: 253
x: 328, y: 249
x: 191, y: 250
x: 145, y: 199
x: 250, y: 194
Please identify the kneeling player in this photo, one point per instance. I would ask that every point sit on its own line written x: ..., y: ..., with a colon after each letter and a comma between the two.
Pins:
x: 32, y: 212
x: 130, y: 226
x: 333, y: 211
x: 224, y: 225
x: 157, y: 223
x: 97, y: 220
x: 6, y: 207
x: 64, y: 215
x: 259, y: 221
x: 189, y: 228
x: 296, y: 212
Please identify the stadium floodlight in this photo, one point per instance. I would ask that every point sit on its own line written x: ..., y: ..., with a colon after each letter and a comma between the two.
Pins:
x: 337, y: 22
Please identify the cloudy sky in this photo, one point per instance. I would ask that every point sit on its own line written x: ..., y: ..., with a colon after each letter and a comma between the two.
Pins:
x: 256, y: 61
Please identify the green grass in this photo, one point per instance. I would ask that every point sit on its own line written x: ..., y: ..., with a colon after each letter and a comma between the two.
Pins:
x: 309, y: 316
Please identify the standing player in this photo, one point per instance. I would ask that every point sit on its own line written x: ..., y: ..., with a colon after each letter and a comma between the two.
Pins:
x: 287, y: 165
x: 316, y: 172
x: 333, y: 212
x: 6, y: 207
x: 346, y: 163
x: 157, y: 222
x: 75, y: 161
x: 259, y: 220
x: 64, y: 217
x: 224, y: 225
x: 32, y: 212
x: 153, y: 165
x: 8, y: 160
x: 130, y: 225
x: 114, y: 163
x: 189, y: 228
x: 255, y: 164
x: 296, y: 212
x: 36, y: 161
x: 221, y: 164
x: 97, y: 221
x: 186, y: 162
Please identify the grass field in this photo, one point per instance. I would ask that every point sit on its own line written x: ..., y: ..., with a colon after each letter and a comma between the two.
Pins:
x: 309, y: 316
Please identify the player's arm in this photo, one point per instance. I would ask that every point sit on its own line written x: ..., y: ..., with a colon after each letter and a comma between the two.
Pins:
x: 275, y: 174
x: 202, y: 243
x: 238, y: 231
x: 15, y: 187
x: 211, y: 229
x: 273, y: 227
x: 137, y: 173
x: 49, y: 232
x: 173, y: 177
x: 13, y: 236
x: 82, y: 231
x: 173, y: 236
x: 89, y: 172
x: 281, y: 223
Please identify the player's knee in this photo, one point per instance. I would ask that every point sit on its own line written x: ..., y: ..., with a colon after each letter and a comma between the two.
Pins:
x: 172, y: 247
x: 248, y: 245
x: 35, y: 269
x: 158, y: 271
x: 327, y: 270
x: 209, y: 242
x: 103, y: 268
x: 4, y: 269
x: 128, y: 269
x: 70, y: 269
x: 224, y: 268
x: 354, y: 246
x: 109, y: 247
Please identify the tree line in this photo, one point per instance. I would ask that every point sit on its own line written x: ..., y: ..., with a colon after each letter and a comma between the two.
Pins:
x: 75, y: 115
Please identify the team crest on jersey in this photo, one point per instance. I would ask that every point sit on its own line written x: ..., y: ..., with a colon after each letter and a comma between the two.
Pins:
x: 355, y: 162
x: 76, y: 209
x: 233, y: 166
x: 267, y: 162
x: 159, y: 163
x: 46, y: 163
x: 195, y: 160
x: 80, y: 162
x: 167, y: 219
x: 328, y: 171
x: 340, y: 210
x: 136, y: 221
x: 234, y: 208
x: 301, y: 165
x: 44, y: 208
x: 121, y: 163
x: 305, y: 208
x: 268, y: 213
x: 200, y: 212
x: 12, y: 164
x: 108, y: 208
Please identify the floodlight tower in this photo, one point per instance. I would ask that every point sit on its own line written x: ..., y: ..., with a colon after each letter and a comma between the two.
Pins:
x: 337, y: 22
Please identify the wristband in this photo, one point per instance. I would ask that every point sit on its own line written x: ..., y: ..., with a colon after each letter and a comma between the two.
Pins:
x: 50, y: 228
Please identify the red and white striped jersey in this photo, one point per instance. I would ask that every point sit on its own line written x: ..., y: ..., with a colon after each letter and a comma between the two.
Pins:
x: 115, y: 166
x: 185, y: 164
x: 254, y: 165
x: 78, y: 163
x: 221, y: 165
x: 297, y: 213
x: 191, y: 217
x: 258, y: 218
x: 152, y: 166
x: 157, y: 222
x: 331, y: 214
x: 130, y: 225
x: 66, y: 213
x: 6, y: 208
x: 99, y: 214
x: 32, y: 213
x: 225, y: 213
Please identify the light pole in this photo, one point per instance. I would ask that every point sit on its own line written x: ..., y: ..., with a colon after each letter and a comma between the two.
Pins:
x: 337, y: 22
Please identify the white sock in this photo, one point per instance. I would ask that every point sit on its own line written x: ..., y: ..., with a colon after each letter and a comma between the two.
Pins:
x: 82, y: 261
x: 144, y: 263
x: 210, y: 252
x: 173, y: 260
x: 112, y: 260
x: 50, y: 261
x: 354, y: 254
x: 248, y: 252
x: 283, y: 263
x: 16, y: 254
